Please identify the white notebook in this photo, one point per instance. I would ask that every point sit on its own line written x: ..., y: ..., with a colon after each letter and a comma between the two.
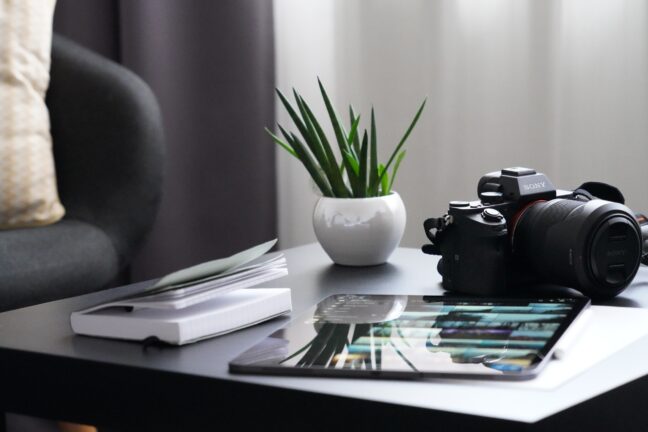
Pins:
x: 198, y: 291
x: 222, y: 314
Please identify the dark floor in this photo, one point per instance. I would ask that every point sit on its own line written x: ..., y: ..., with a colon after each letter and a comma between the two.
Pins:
x: 20, y: 423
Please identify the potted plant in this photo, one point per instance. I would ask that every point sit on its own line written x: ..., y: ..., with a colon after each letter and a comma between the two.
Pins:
x: 359, y: 220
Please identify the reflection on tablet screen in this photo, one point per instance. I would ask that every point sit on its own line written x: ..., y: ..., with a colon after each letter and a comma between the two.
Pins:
x: 417, y: 334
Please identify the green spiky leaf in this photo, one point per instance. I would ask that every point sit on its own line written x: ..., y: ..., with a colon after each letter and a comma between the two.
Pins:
x: 340, y: 136
x: 307, y: 161
x: 310, y: 136
x: 407, y: 133
x: 335, y: 121
x: 399, y: 159
x: 340, y: 188
x: 356, y: 138
x: 373, y: 157
x: 363, y: 163
x: 353, y: 134
x: 313, y: 169
x: 355, y: 166
x: 384, y: 180
x: 283, y: 144
x: 325, y: 158
x: 293, y: 115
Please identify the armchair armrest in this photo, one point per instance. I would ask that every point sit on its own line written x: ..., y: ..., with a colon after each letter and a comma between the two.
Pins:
x: 108, y: 144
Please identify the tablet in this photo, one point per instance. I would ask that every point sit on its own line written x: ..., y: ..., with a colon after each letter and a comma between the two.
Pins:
x: 411, y: 336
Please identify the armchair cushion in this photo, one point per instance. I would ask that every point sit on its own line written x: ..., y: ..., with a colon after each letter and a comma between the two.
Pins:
x: 61, y: 260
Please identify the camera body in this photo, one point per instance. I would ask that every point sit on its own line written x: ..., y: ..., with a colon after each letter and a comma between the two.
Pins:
x: 523, y: 230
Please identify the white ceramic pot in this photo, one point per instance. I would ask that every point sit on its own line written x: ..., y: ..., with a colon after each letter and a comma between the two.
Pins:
x: 359, y: 231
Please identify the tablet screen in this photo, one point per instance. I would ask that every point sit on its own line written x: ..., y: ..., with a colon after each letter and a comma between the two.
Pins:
x: 415, y: 335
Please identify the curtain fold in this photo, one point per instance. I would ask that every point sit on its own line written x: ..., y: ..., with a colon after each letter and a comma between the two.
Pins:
x: 211, y: 66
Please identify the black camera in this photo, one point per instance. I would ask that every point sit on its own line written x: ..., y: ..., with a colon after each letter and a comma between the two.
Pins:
x: 523, y: 230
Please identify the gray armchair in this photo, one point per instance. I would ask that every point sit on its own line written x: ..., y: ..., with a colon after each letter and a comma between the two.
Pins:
x: 108, y: 148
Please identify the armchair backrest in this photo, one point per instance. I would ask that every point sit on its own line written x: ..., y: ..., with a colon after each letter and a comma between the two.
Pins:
x: 108, y: 144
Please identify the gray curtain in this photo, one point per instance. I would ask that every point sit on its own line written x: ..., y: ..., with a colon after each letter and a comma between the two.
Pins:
x: 211, y: 66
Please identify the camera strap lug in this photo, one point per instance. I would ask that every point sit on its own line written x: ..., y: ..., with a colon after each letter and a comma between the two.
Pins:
x: 434, y: 225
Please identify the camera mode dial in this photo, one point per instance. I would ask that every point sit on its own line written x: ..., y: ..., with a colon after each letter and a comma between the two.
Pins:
x: 492, y: 215
x: 491, y: 197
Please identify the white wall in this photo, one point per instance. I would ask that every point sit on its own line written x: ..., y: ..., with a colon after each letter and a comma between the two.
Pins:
x: 558, y: 86
x: 304, y: 50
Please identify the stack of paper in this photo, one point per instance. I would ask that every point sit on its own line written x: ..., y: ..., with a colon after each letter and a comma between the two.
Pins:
x: 194, y: 303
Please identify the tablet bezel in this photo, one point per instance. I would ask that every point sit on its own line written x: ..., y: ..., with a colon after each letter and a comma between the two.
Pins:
x: 580, y: 304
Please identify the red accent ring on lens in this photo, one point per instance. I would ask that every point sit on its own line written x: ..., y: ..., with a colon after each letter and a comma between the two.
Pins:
x: 516, y: 217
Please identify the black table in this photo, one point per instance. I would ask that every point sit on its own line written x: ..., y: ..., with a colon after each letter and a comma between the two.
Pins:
x: 47, y: 371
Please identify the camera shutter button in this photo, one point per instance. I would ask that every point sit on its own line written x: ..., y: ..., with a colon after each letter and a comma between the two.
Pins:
x: 492, y: 215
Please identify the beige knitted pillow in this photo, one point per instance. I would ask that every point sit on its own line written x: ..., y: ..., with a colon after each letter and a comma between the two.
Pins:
x: 28, y: 193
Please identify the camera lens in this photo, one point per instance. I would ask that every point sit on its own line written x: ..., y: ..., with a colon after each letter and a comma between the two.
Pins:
x: 593, y: 246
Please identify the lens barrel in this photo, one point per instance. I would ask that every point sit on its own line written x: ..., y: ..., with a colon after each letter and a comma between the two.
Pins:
x: 593, y: 246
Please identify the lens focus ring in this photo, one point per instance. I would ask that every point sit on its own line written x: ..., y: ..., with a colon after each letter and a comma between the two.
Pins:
x: 593, y: 246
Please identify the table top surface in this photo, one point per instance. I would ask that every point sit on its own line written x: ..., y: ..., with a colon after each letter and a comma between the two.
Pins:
x: 45, y: 329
